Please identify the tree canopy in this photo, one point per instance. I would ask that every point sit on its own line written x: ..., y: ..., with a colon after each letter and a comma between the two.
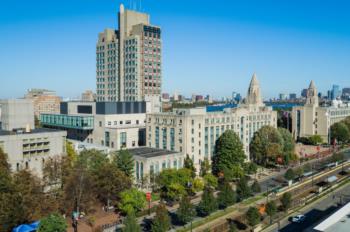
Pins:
x: 253, y: 216
x: 226, y: 197
x: 131, y: 224
x: 132, y: 201
x: 161, y: 222
x: 186, y: 211
x: 229, y: 153
x: 208, y: 204
x: 340, y: 132
x: 53, y: 222
x: 125, y: 162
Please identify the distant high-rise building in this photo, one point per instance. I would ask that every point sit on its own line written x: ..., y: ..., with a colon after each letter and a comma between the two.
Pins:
x: 283, y: 96
x: 236, y: 97
x: 199, y: 98
x: 292, y: 96
x: 346, y: 93
x: 304, y: 93
x: 128, y: 60
x: 88, y: 96
x: 335, y: 92
x: 44, y: 101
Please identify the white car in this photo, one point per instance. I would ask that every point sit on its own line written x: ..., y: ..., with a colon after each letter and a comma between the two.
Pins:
x: 298, y: 218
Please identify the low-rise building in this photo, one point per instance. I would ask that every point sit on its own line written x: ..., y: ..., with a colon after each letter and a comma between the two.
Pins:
x: 194, y: 131
x: 313, y: 119
x: 151, y: 161
x: 25, y: 146
x: 115, y: 125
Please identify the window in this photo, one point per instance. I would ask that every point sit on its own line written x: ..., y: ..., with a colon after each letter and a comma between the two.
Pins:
x: 122, y: 139
x: 100, y: 123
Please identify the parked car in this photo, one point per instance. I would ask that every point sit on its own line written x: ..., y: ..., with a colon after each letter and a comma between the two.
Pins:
x: 298, y: 218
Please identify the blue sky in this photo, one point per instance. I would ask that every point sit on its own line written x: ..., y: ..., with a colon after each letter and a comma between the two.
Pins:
x: 208, y: 46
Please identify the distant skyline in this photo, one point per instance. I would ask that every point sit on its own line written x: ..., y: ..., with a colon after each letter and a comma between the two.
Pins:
x: 209, y: 47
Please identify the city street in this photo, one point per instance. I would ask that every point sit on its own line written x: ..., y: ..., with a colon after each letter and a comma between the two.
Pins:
x: 315, y: 212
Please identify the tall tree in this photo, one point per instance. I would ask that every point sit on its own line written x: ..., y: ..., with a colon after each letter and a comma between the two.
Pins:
x: 186, y: 211
x: 243, y: 189
x: 131, y: 224
x: 229, y: 153
x: 161, y: 222
x: 30, y: 190
x: 226, y: 197
x: 253, y: 216
x: 11, y: 206
x: 208, y: 204
x: 53, y: 222
x: 271, y: 209
x: 110, y: 182
x: 210, y: 181
x: 125, y: 162
x: 266, y: 145
x: 188, y: 163
x: 288, y: 149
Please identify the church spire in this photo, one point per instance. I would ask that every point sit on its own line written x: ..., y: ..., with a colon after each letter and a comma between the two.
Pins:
x: 254, y: 94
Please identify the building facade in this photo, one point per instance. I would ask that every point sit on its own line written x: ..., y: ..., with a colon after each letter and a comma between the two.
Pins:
x: 128, y: 61
x: 194, y: 131
x: 45, y: 101
x: 25, y: 146
x: 150, y: 162
x: 115, y: 125
x: 312, y: 119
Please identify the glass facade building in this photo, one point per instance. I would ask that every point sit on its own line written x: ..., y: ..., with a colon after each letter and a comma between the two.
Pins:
x: 68, y: 121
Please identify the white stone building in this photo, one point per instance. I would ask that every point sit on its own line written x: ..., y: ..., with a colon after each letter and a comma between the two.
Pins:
x: 194, y: 131
x: 313, y: 119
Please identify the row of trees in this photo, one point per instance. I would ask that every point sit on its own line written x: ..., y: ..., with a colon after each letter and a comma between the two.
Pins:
x: 254, y: 217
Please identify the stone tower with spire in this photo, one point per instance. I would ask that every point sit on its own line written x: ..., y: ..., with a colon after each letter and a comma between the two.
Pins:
x: 254, y: 93
x: 312, y: 96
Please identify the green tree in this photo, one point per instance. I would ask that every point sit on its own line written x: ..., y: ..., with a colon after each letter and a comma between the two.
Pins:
x: 109, y: 182
x: 188, y: 164
x: 30, y: 189
x: 210, y: 180
x: 233, y: 227
x: 205, y: 167
x: 315, y: 139
x: 125, y: 162
x: 256, y: 187
x: 288, y: 149
x: 243, y: 190
x: 161, y: 222
x: 229, y: 153
x: 173, y: 183
x: 299, y: 171
x: 286, y: 201
x: 346, y: 121
x: 250, y: 168
x: 53, y: 222
x: 271, y: 209
x: 131, y: 224
x: 226, y: 197
x: 289, y: 175
x: 132, y: 200
x: 208, y: 204
x: 266, y: 145
x: 71, y: 154
x: 337, y: 157
x: 340, y: 132
x: 197, y: 185
x: 11, y: 206
x: 253, y: 216
x: 186, y: 211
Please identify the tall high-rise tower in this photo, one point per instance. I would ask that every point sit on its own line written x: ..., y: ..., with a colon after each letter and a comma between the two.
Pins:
x: 128, y: 60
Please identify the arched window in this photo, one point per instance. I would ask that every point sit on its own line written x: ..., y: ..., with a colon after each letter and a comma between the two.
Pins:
x: 27, y: 165
x: 141, y: 170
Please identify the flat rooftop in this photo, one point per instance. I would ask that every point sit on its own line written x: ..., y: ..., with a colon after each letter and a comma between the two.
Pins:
x: 34, y: 131
x: 148, y: 152
x: 339, y: 221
